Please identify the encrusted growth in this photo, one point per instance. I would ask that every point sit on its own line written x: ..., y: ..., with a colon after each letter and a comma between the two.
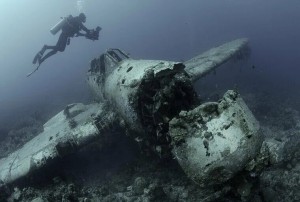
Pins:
x: 161, y: 98
x: 215, y: 140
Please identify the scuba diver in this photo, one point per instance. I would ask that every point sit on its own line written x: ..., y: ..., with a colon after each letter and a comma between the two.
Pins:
x: 70, y: 26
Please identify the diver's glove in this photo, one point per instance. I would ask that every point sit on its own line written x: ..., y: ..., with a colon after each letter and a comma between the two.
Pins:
x: 92, y: 31
x: 93, y: 34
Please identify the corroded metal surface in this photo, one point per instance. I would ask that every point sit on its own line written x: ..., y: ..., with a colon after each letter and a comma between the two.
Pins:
x: 64, y: 133
x: 144, y: 96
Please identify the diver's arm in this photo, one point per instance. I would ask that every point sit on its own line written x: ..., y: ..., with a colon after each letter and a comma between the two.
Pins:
x: 84, y: 28
x: 80, y: 34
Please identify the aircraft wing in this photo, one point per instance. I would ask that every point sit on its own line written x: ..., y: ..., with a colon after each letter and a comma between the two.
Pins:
x: 66, y: 132
x: 204, y: 63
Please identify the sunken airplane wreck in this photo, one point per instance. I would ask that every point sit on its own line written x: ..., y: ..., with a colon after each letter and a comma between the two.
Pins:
x: 155, y: 102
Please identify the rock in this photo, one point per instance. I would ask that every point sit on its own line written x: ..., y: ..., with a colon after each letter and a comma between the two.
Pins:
x: 38, y: 200
x: 275, y: 150
x: 269, y: 194
x: 16, y: 194
x: 139, y: 185
x: 155, y: 192
x: 279, y: 185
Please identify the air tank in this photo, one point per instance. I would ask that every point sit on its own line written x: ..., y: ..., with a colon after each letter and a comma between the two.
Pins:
x: 60, y: 24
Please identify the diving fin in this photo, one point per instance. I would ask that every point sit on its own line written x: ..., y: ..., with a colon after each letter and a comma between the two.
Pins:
x: 28, y: 75
x: 37, y: 57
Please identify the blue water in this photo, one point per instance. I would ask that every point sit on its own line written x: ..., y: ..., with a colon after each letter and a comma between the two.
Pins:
x: 149, y: 29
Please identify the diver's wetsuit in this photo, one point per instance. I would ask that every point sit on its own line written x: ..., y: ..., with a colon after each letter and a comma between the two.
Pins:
x: 72, y: 27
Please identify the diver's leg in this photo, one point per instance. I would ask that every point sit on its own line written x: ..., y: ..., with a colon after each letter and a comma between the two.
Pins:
x: 60, y: 46
x: 46, y: 47
x: 40, y: 54
x: 40, y: 60
x: 62, y: 43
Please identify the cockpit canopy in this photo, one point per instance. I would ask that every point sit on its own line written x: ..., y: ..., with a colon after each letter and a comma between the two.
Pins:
x: 101, y: 67
x: 107, y: 62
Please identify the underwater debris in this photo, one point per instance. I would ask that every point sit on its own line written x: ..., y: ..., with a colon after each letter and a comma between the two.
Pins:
x: 152, y: 99
x: 208, y: 144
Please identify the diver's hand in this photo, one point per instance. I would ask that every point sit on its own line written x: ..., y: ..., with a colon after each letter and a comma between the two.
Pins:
x: 90, y: 31
x: 98, y: 28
